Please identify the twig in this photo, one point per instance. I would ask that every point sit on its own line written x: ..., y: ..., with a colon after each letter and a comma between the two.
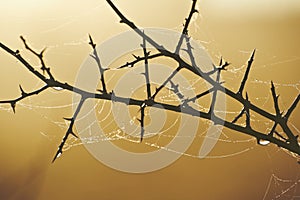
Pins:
x: 290, y: 143
x: 97, y: 59
x: 40, y: 56
x: 250, y: 61
x: 147, y: 76
x: 186, y: 26
x: 70, y: 130
x: 23, y: 96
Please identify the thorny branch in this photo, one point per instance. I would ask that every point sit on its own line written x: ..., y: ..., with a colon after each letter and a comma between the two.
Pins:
x: 290, y: 142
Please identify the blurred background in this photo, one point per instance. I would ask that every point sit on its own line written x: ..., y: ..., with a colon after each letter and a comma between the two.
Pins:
x: 237, y: 168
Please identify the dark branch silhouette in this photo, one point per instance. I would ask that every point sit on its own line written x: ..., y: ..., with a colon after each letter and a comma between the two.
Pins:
x: 286, y: 140
x: 70, y: 130
x: 250, y: 61
x: 97, y: 59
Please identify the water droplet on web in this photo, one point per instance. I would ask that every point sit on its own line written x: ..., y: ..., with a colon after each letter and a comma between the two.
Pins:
x: 58, y: 155
x: 58, y: 88
x: 264, y: 142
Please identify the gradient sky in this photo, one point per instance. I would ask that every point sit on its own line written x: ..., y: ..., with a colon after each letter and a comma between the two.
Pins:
x: 231, y: 29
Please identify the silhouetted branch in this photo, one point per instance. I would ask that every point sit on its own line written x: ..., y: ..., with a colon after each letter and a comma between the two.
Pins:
x: 279, y: 135
x: 292, y: 108
x: 217, y: 86
x: 250, y: 61
x: 166, y: 81
x: 23, y: 96
x: 186, y: 26
x: 40, y: 56
x: 146, y: 54
x: 139, y: 59
x: 275, y: 100
x: 247, y: 111
x: 142, y: 120
x: 97, y: 59
x: 214, y: 98
x: 238, y: 116
x: 176, y: 91
x: 290, y: 143
x: 70, y: 130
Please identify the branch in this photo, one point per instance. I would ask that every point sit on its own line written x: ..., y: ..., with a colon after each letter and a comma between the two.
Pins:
x: 139, y: 59
x: 70, y: 130
x: 97, y: 59
x: 166, y: 81
x: 290, y: 144
x: 275, y: 100
x: 23, y: 96
x: 142, y: 120
x: 214, y: 98
x: 40, y: 56
x: 146, y: 54
x: 292, y: 108
x: 250, y: 61
x: 175, y: 89
x: 186, y: 26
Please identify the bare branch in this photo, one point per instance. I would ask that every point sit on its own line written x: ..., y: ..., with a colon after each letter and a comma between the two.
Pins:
x: 290, y: 143
x: 142, y: 120
x: 250, y: 61
x: 146, y: 54
x: 275, y: 99
x: 97, y: 59
x: 139, y: 59
x: 175, y: 89
x: 166, y: 81
x: 186, y: 26
x: 70, y: 130
x: 23, y: 96
x: 40, y: 56
x: 292, y: 108
x: 238, y: 116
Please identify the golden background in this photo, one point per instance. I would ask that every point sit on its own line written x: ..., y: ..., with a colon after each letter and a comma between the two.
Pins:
x: 231, y: 29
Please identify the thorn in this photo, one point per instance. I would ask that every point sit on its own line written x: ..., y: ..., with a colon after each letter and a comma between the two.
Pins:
x: 42, y: 52
x: 22, y: 91
x: 57, y: 155
x: 136, y: 57
x: 73, y: 134
x: 272, y: 85
x: 221, y: 61
x: 91, y: 42
x: 93, y: 56
x: 68, y: 119
x: 24, y: 41
x: 253, y: 54
x: 13, y: 106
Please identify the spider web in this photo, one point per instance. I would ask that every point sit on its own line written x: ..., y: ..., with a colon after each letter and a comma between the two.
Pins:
x: 277, y: 187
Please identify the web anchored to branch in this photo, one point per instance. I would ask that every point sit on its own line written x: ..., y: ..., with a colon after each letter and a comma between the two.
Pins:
x: 285, y: 139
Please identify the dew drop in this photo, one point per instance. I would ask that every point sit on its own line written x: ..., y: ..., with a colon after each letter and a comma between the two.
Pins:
x: 58, y: 88
x: 264, y: 142
x: 131, y: 122
x: 58, y: 155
